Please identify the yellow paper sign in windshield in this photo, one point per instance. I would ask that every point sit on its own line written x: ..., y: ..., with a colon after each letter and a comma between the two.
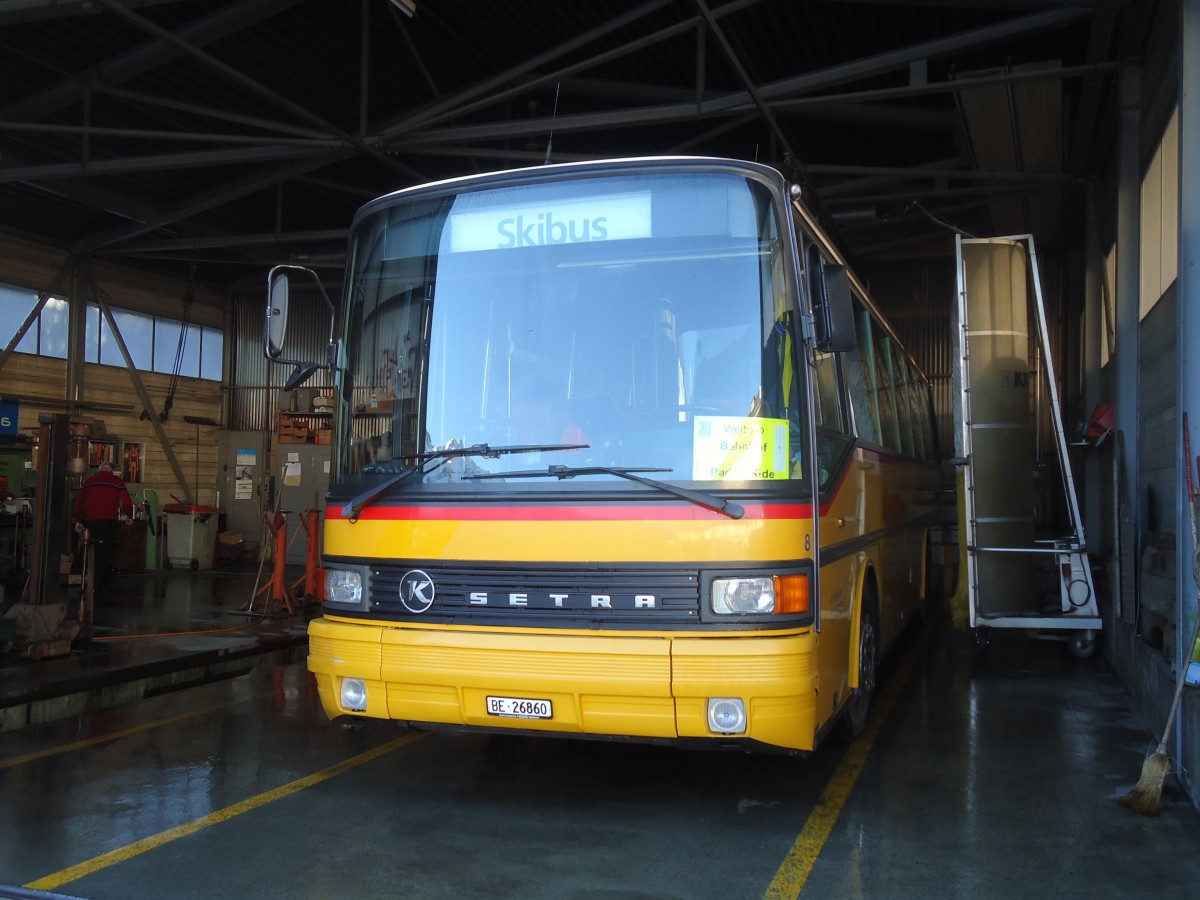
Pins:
x: 739, y: 448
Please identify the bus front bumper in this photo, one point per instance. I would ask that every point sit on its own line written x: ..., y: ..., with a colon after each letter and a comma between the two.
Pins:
x: 653, y: 686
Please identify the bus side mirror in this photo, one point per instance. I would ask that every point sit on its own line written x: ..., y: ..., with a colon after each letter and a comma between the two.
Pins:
x: 277, y: 310
x: 833, y: 312
x: 275, y: 330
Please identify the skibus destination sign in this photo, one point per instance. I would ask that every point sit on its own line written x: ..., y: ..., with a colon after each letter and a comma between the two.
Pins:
x: 581, y: 220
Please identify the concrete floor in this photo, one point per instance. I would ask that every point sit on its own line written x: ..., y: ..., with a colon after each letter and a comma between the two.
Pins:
x: 979, y: 777
x: 153, y: 633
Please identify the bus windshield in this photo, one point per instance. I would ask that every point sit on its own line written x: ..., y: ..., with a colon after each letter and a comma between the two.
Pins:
x: 643, y: 316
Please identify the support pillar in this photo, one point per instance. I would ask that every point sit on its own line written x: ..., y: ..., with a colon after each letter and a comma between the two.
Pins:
x: 76, y: 332
x: 1093, y: 335
x: 1187, y: 398
x: 1128, y: 317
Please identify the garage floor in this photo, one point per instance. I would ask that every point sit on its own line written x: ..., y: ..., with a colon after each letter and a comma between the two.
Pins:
x: 979, y: 776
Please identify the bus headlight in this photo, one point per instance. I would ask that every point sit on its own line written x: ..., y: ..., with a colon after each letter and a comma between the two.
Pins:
x: 761, y: 595
x: 343, y: 586
x: 353, y: 694
x: 743, y: 596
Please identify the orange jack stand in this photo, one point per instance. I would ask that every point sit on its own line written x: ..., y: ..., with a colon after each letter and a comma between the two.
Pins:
x: 277, y: 590
x: 314, y: 575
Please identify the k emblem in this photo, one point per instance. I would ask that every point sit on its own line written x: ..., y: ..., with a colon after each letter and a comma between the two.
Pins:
x: 416, y: 591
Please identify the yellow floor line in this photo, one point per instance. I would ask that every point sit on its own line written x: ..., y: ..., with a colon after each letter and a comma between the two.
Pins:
x: 74, y: 873
x: 797, y: 865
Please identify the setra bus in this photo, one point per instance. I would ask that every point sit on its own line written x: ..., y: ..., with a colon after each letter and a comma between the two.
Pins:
x: 620, y: 450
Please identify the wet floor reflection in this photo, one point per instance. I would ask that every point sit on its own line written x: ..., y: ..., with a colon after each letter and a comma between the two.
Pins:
x: 992, y: 778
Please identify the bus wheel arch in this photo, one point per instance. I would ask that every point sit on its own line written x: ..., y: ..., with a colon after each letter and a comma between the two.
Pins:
x: 865, y: 658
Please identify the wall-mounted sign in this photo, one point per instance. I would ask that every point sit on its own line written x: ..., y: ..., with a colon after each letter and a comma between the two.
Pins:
x: 8, y: 415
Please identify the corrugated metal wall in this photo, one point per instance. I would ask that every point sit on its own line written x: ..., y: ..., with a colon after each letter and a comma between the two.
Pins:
x: 255, y: 381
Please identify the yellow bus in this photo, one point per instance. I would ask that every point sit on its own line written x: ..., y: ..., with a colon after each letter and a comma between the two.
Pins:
x: 620, y: 450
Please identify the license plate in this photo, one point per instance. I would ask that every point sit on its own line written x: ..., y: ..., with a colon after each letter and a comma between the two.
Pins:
x: 519, y: 708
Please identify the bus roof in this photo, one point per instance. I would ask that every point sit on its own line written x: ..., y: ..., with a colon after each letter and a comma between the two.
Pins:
x: 555, y: 171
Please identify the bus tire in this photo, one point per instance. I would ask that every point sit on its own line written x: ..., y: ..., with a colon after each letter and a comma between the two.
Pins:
x: 858, y: 706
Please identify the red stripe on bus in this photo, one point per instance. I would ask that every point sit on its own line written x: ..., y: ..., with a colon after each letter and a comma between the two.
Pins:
x: 605, y: 513
x: 567, y: 513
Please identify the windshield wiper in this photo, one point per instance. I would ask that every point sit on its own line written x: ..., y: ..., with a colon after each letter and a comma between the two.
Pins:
x: 708, y: 501
x: 359, y: 503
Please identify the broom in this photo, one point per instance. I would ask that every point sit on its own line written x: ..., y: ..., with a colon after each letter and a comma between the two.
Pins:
x: 1146, y: 796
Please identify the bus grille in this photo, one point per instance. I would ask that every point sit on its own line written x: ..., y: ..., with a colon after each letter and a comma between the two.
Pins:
x: 544, y: 597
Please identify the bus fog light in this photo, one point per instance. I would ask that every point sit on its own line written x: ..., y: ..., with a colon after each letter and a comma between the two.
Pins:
x: 743, y: 596
x: 726, y: 715
x: 354, y: 694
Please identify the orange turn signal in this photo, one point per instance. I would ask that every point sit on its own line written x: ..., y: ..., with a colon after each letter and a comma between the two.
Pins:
x: 791, y: 594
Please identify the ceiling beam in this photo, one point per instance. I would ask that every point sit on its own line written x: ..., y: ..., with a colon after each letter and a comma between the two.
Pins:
x: 1062, y: 73
x: 875, y: 114
x: 983, y: 193
x: 208, y: 200
x: 469, y: 99
x: 1082, y: 149
x: 18, y: 12
x: 1018, y: 5
x: 250, y: 84
x: 195, y: 137
x: 739, y: 101
x: 158, y: 162
x: 235, y: 240
x: 221, y: 115
x: 140, y: 60
x: 900, y: 58
x: 748, y: 83
x: 908, y: 173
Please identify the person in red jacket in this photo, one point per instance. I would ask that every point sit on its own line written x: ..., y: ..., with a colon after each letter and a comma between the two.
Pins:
x: 99, y: 505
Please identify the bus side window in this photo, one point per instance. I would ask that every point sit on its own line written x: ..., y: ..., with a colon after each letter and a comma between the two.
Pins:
x: 888, y: 414
x: 901, y: 380
x: 828, y: 407
x: 860, y: 378
x: 913, y: 408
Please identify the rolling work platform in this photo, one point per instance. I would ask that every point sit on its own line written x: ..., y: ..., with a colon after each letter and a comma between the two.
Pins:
x: 1027, y: 564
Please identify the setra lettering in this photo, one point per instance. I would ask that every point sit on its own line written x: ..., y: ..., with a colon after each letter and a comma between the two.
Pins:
x: 561, y: 600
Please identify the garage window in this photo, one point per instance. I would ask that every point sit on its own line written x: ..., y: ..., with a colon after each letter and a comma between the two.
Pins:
x: 152, y: 341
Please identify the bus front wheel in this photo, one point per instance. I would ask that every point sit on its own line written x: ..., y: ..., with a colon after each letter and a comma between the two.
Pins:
x: 854, y: 719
